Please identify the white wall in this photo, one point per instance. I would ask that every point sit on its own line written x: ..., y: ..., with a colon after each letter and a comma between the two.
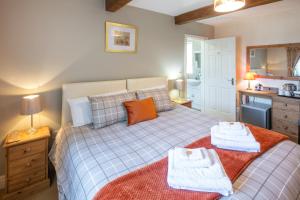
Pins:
x: 253, y: 30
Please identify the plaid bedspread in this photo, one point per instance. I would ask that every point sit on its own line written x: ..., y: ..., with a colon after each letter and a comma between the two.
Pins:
x: 86, y: 159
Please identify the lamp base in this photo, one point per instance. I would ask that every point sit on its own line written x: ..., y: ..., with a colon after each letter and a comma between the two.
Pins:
x: 249, y: 87
x: 31, y: 131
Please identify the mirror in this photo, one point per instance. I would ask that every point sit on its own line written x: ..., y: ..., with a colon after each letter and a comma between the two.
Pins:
x: 269, y: 61
x: 275, y: 61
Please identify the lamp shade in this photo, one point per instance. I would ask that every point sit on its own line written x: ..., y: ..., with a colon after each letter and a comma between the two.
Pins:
x: 31, y: 104
x: 228, y: 5
x: 179, y: 84
x: 250, y: 76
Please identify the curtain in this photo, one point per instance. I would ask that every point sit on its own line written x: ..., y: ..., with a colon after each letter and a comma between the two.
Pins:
x: 293, y: 54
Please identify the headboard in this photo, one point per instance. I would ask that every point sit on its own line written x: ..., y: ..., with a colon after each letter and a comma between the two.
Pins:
x: 143, y: 83
x: 74, y: 90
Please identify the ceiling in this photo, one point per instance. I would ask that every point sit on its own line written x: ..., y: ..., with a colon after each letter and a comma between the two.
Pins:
x: 176, y: 7
x: 170, y: 7
x: 256, y: 12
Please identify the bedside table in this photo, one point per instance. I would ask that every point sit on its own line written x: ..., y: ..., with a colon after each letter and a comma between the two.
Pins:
x: 26, y: 163
x: 184, y: 102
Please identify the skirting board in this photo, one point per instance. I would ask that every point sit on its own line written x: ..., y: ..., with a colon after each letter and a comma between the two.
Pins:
x: 2, y: 182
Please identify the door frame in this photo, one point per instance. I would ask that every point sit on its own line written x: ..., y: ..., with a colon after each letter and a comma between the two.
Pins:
x: 184, y: 42
x: 184, y: 74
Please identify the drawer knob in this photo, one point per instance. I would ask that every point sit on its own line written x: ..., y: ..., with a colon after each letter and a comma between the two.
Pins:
x: 286, y: 128
x: 28, y: 164
x: 28, y: 180
x: 27, y: 150
x: 285, y: 116
x: 285, y: 105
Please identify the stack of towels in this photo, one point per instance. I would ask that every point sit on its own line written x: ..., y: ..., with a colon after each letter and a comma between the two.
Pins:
x: 234, y: 136
x: 198, y: 170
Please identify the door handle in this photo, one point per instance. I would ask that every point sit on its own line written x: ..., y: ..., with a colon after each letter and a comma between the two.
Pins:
x: 232, y: 81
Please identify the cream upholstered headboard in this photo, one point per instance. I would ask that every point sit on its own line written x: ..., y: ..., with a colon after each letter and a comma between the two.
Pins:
x: 74, y: 90
x: 144, y: 83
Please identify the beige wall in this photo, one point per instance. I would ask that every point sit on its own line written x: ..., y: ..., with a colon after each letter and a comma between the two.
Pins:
x: 260, y: 30
x: 45, y: 43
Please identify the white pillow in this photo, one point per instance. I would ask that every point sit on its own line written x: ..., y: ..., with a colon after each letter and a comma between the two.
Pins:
x: 81, y: 111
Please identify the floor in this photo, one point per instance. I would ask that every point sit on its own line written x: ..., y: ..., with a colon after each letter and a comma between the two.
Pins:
x: 47, y: 194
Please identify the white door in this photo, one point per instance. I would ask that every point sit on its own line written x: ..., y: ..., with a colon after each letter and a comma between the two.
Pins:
x: 220, y: 78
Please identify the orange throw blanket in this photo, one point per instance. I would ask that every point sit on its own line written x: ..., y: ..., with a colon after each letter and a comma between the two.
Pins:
x: 150, y: 182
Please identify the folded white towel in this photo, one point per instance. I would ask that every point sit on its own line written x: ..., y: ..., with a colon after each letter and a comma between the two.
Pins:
x: 212, y: 179
x: 184, y: 158
x: 189, y: 154
x: 236, y: 148
x: 216, y: 130
x: 234, y: 132
x: 231, y: 125
x: 248, y: 146
x: 232, y: 128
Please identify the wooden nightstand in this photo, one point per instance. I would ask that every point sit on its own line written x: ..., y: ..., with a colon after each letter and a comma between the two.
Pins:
x: 26, y: 163
x: 184, y: 102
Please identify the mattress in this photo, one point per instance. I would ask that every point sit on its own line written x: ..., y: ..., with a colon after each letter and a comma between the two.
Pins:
x: 87, y: 159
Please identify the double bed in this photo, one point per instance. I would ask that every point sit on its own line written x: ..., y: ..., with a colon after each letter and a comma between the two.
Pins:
x: 87, y: 159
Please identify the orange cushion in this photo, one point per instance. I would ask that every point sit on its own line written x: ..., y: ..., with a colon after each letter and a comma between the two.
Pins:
x: 140, y: 110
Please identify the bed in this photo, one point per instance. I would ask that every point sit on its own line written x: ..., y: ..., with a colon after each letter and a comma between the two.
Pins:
x: 87, y: 159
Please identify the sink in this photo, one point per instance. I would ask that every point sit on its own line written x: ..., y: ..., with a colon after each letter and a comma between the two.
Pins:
x: 193, y: 82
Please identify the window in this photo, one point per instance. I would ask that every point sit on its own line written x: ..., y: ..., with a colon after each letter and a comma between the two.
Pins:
x: 297, y: 68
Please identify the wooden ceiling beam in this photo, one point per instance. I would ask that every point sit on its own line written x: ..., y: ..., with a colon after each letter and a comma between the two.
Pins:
x: 114, y: 5
x: 209, y: 12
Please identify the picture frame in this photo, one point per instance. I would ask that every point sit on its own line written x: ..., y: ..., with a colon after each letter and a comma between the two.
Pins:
x: 120, y: 38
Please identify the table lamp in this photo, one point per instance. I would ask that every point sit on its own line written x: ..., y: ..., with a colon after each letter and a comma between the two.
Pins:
x: 250, y: 76
x: 179, y: 86
x: 31, y: 105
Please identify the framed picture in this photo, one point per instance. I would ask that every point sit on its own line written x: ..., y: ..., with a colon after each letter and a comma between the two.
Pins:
x: 120, y: 38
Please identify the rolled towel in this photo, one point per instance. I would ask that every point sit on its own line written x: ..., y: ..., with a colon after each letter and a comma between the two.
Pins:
x: 239, y: 138
x: 212, y: 179
x: 184, y: 158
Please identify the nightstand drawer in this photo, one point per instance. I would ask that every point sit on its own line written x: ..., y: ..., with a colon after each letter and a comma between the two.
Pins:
x: 294, y: 107
x: 187, y: 104
x: 23, y: 180
x: 26, y: 164
x: 286, y: 115
x: 23, y: 150
x: 285, y: 127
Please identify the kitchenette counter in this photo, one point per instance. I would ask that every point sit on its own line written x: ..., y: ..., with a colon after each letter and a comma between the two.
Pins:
x: 263, y: 94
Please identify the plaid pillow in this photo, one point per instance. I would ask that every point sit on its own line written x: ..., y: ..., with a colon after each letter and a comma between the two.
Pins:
x: 161, y: 98
x: 108, y: 110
